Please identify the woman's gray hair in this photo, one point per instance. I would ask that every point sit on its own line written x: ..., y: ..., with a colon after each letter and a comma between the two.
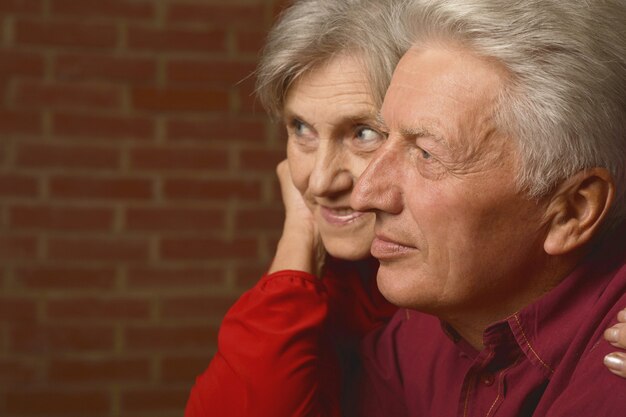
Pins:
x: 565, y: 102
x: 311, y: 32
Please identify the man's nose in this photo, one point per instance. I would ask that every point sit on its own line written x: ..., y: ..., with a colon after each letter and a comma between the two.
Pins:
x: 379, y: 187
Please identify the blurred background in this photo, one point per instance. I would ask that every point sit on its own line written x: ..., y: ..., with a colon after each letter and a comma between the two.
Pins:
x: 137, y: 197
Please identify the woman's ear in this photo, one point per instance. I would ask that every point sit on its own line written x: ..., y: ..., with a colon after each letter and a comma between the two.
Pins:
x: 577, y: 210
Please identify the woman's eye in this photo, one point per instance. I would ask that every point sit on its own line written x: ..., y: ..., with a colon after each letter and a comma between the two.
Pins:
x: 368, y: 137
x: 299, y: 127
x: 301, y: 130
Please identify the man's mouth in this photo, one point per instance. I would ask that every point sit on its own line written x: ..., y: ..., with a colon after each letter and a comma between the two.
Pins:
x: 386, y: 248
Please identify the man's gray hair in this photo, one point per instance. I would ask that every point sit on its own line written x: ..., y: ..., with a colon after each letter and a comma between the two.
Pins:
x: 311, y: 32
x: 566, y: 100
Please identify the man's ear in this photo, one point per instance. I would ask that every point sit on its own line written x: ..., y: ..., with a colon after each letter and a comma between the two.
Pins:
x: 577, y: 210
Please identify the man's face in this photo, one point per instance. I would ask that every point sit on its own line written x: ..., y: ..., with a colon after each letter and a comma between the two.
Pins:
x: 453, y: 234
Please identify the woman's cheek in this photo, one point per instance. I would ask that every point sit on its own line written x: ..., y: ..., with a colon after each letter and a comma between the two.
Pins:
x: 300, y: 167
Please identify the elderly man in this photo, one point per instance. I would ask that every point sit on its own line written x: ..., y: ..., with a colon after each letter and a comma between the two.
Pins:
x: 500, y: 204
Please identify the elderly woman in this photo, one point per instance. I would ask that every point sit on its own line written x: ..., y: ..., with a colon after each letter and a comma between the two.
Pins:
x: 289, y: 346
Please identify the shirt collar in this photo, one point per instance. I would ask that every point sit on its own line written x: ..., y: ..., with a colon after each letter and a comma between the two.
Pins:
x: 544, y: 329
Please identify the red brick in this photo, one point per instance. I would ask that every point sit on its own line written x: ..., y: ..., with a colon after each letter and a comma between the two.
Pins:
x: 210, y: 130
x: 36, y: 94
x: 15, y: 371
x: 169, y: 219
x: 248, y: 102
x: 246, y: 276
x: 104, y: 188
x: 261, y: 159
x: 154, y: 399
x: 105, y: 67
x: 174, y: 158
x: 155, y: 338
x: 109, y: 370
x: 260, y: 219
x: 17, y: 309
x: 273, y: 239
x: 26, y: 122
x: 105, y: 127
x: 5, y: 79
x: 202, y: 249
x: 208, y: 72
x: 177, y: 40
x: 160, y: 277
x: 183, y: 368
x: 217, y: 14
x: 194, y: 189
x: 104, y: 9
x: 12, y: 185
x: 67, y: 156
x: 14, y: 62
x: 42, y: 277
x: 97, y: 249
x: 189, y: 307
x: 47, y: 33
x: 51, y: 401
x: 182, y: 100
x: 250, y: 41
x: 21, y: 6
x: 61, y: 338
x: 90, y: 308
x: 60, y: 218
x: 278, y: 6
x: 17, y: 247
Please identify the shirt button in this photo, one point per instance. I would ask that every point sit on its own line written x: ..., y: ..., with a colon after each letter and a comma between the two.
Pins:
x: 487, y: 379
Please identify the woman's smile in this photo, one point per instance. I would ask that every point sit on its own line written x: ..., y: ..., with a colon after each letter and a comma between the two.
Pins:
x: 340, y: 216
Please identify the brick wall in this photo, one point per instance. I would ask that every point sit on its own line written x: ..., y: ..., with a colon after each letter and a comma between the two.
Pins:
x: 137, y: 197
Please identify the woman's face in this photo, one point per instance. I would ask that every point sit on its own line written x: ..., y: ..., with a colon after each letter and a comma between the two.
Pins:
x: 330, y: 118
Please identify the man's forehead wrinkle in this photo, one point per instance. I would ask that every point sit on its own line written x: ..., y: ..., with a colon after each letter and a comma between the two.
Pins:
x: 409, y: 67
x: 453, y: 97
x: 380, y: 120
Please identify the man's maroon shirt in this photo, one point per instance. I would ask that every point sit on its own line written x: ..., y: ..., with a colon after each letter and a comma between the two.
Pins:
x: 545, y: 360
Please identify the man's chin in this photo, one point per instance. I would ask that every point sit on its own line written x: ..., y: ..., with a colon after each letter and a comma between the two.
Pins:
x: 398, y: 286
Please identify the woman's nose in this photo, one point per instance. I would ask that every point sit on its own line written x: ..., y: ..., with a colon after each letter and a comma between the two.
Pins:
x: 331, y: 174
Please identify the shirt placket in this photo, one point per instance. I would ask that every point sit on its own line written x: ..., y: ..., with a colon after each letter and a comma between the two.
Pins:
x: 484, y: 384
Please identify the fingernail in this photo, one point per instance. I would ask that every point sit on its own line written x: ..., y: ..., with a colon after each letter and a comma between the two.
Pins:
x: 621, y: 316
x: 614, y: 361
x: 611, y: 335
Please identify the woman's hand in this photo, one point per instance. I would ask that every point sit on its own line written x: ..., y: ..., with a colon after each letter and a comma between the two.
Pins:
x: 300, y: 246
x: 298, y: 217
x: 616, y: 335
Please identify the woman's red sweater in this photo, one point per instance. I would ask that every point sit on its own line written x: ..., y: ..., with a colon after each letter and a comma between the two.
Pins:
x: 289, y: 346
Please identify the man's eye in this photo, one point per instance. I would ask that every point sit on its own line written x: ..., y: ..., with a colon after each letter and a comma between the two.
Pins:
x: 425, y: 154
